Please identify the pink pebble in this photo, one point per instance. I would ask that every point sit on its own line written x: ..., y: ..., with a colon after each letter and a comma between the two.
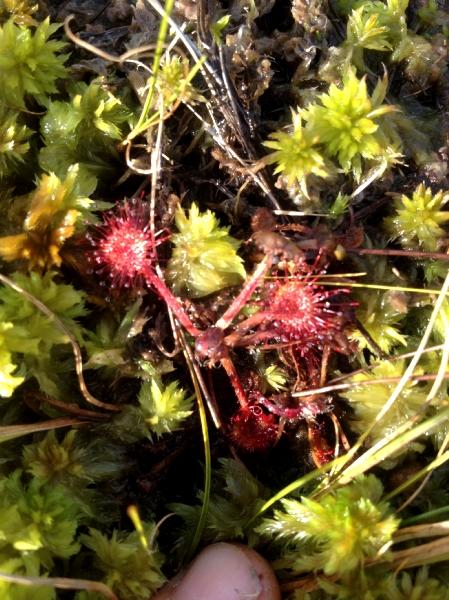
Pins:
x: 224, y: 572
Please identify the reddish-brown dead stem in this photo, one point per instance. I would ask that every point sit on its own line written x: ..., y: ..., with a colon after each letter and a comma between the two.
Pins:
x: 407, y: 253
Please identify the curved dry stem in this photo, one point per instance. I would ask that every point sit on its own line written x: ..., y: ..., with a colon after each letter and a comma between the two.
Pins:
x: 121, y: 58
x: 423, y: 554
x: 62, y: 583
x: 128, y: 144
x: 10, y: 432
x: 75, y: 347
x: 130, y: 56
x: 157, y: 527
x: 405, y: 253
x: 73, y: 409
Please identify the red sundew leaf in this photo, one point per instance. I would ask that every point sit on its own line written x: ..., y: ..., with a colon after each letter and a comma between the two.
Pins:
x: 123, y: 247
x: 300, y: 311
x: 253, y: 430
x: 123, y: 252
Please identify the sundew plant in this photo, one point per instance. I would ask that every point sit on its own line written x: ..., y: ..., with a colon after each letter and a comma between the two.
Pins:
x: 223, y: 294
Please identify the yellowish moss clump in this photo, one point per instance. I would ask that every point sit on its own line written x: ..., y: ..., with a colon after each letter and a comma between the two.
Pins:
x: 30, y: 63
x: 417, y: 221
x: 55, y: 208
x: 204, y: 258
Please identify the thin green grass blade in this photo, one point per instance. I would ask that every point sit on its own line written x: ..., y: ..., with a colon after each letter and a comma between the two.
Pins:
x: 437, y: 462
x: 207, y: 472
x: 295, y: 485
x: 155, y: 117
x: 392, y: 446
x: 162, y: 36
x: 427, y: 517
x: 379, y: 286
x: 381, y: 452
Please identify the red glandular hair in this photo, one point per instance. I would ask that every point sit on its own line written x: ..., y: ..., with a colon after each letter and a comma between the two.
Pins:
x: 122, y: 246
x: 301, y: 310
x: 123, y: 253
x: 298, y: 310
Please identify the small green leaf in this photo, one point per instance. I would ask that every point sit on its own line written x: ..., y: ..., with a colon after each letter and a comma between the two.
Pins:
x: 218, y: 27
x: 14, y: 143
x: 38, y: 518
